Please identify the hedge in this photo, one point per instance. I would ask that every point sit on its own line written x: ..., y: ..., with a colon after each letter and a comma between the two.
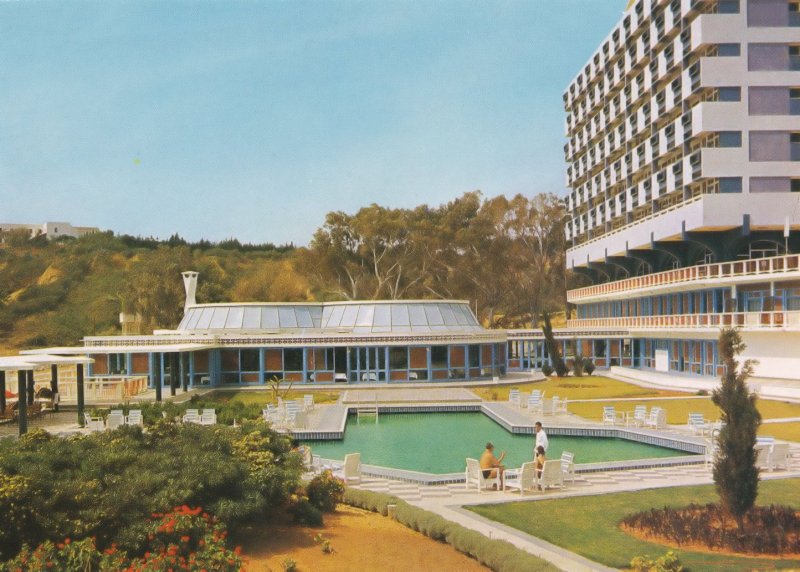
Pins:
x: 498, y: 555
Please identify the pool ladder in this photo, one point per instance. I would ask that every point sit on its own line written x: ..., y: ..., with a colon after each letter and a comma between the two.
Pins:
x: 367, y: 410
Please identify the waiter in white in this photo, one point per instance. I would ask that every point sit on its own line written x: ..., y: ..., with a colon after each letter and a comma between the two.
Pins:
x: 541, y: 438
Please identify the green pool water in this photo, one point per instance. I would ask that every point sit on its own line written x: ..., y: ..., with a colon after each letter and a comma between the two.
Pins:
x: 439, y: 442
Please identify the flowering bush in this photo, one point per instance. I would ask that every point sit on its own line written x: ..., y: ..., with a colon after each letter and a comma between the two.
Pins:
x: 325, y: 491
x: 303, y: 512
x: 183, y: 539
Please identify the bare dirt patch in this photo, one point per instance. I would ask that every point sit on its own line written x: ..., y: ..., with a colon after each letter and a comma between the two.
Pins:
x: 361, y: 540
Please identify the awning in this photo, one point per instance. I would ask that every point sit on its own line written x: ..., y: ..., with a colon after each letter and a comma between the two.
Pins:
x: 121, y: 349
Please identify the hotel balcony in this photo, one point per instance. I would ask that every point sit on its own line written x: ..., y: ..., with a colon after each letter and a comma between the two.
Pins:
x: 786, y: 320
x: 691, y: 278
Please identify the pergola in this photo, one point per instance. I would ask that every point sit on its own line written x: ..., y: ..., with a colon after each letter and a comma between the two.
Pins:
x: 25, y: 365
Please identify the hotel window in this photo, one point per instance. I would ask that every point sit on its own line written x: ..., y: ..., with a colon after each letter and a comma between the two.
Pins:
x: 794, y: 147
x: 730, y: 184
x: 728, y: 7
x: 794, y: 57
x: 794, y: 101
x: 729, y: 50
x: 795, y: 185
x: 794, y: 13
x: 730, y: 139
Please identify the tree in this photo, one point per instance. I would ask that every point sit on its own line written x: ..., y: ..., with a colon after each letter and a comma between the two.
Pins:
x: 735, y: 473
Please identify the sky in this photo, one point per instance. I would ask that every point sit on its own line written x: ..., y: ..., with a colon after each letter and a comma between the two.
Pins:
x: 253, y: 119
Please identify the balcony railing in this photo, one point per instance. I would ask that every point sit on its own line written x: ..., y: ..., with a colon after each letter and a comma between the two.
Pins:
x: 746, y: 320
x: 765, y: 267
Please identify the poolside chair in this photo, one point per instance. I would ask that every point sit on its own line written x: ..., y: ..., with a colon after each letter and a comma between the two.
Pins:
x: 94, y: 423
x: 698, y: 424
x: 638, y: 417
x: 474, y: 476
x: 552, y: 475
x: 535, y: 402
x: 779, y: 456
x: 610, y: 415
x: 308, y: 402
x: 568, y: 465
x: 300, y: 420
x: 191, y: 416
x: 657, y: 419
x: 208, y: 417
x: 549, y: 406
x: 763, y: 460
x: 712, y: 450
x: 351, y: 469
x: 562, y: 406
x: 135, y: 417
x: 522, y: 479
x: 115, y: 419
x: 514, y: 398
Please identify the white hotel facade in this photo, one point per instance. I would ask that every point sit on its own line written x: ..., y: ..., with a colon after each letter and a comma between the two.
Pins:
x: 683, y: 160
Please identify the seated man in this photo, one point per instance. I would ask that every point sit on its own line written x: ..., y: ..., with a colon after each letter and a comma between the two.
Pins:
x: 490, y: 465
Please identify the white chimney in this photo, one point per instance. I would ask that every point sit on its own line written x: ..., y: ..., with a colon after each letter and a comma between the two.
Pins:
x: 190, y: 284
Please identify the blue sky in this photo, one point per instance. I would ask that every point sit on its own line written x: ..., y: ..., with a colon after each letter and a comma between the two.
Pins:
x: 255, y: 118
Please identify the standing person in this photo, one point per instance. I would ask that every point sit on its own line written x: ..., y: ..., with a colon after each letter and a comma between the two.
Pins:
x: 541, y: 438
x: 491, y: 465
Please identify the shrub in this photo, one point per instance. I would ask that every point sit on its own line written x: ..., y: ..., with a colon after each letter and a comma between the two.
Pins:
x: 577, y: 367
x: 107, y: 485
x: 547, y: 369
x: 303, y: 512
x: 588, y: 366
x: 667, y: 563
x: 702, y: 392
x: 289, y: 565
x: 325, y: 491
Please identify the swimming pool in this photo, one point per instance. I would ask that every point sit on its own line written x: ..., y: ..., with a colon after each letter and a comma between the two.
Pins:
x: 438, y: 443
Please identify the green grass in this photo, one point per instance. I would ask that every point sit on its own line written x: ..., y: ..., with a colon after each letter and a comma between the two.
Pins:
x: 678, y: 409
x: 590, y: 525
x: 589, y: 387
x: 264, y: 397
x: 785, y: 431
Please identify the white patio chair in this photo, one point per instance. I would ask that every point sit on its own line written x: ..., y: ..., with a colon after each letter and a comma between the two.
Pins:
x: 779, y: 456
x: 562, y: 406
x: 474, y: 476
x: 535, y: 402
x: 191, y: 416
x: 638, y: 417
x: 115, y: 419
x: 308, y: 402
x: 300, y: 420
x: 513, y: 397
x: 763, y: 454
x: 522, y: 479
x: 94, y: 423
x: 568, y: 465
x: 116, y: 412
x: 657, y: 419
x: 350, y: 471
x: 208, y: 417
x: 610, y: 416
x: 552, y: 475
x: 549, y: 406
x: 698, y: 424
x: 134, y: 417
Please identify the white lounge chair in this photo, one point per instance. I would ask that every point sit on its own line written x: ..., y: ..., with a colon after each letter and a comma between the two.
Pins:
x: 638, y: 417
x: 763, y: 456
x: 514, y: 397
x: 657, y: 419
x: 474, y: 476
x: 94, y: 423
x: 561, y: 407
x: 522, y: 479
x: 135, y: 417
x: 115, y: 419
x: 308, y: 402
x: 350, y: 471
x: 779, y: 456
x: 698, y: 424
x: 610, y: 416
x: 208, y: 417
x: 552, y: 475
x: 549, y: 406
x: 568, y: 465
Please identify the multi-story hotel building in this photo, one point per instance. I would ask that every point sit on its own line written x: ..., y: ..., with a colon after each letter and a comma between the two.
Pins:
x: 683, y: 158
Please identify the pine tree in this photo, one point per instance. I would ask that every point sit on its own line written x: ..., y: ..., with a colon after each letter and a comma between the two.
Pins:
x: 735, y: 473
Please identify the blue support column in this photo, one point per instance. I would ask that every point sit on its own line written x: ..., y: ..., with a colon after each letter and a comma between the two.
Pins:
x: 158, y: 373
x: 430, y: 366
x: 81, y: 397
x: 261, y: 361
x: 305, y: 364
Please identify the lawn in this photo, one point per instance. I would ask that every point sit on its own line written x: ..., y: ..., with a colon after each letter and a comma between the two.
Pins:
x: 786, y: 431
x: 678, y: 409
x: 264, y: 397
x: 589, y: 525
x: 589, y: 387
